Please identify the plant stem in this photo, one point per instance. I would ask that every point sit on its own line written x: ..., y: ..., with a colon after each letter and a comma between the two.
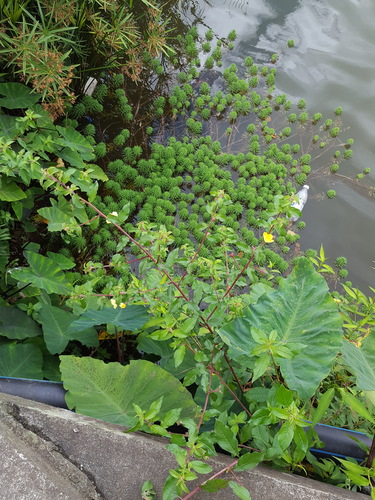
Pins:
x: 141, y: 247
x: 199, y: 247
x: 198, y: 488
x: 233, y: 393
x: 233, y: 372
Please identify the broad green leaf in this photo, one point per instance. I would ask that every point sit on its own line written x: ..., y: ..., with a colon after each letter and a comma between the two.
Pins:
x: 8, y: 126
x: 301, y: 311
x: 214, y: 485
x: 108, y: 391
x: 260, y: 366
x: 285, y: 435
x: 323, y: 405
x: 200, y: 467
x: 58, y: 220
x: 9, y: 190
x: 249, y: 461
x: 72, y: 157
x: 179, y: 355
x: 284, y: 396
x: 169, y: 489
x: 239, y: 491
x: 16, y: 324
x: 166, y: 353
x: 21, y: 361
x: 43, y: 273
x: 130, y: 318
x: 63, y: 262
x: 361, y: 362
x: 370, y: 395
x: 300, y: 438
x: 257, y: 290
x: 356, y: 405
x: 96, y: 172
x: 357, y: 479
x: 171, y: 417
x: 225, y: 438
x: 76, y: 142
x: 16, y: 96
x: 56, y: 323
x: 179, y: 453
x: 18, y: 208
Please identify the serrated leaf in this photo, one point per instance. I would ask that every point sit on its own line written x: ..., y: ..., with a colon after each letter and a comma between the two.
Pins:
x: 300, y: 438
x: 108, y: 390
x: 285, y: 435
x: 179, y: 355
x: 239, y: 491
x: 169, y: 490
x: 225, y: 438
x: 200, y: 467
x: 179, y: 453
x: 214, y: 485
x: 260, y: 366
x: 284, y: 396
x: 171, y: 417
x: 96, y: 172
x: 249, y: 461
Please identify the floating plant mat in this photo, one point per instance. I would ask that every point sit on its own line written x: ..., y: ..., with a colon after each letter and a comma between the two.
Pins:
x: 178, y: 148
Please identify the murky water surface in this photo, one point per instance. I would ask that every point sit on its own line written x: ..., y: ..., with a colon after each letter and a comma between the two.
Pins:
x: 332, y: 64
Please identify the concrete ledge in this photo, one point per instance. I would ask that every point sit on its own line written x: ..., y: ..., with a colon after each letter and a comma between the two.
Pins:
x: 53, y: 453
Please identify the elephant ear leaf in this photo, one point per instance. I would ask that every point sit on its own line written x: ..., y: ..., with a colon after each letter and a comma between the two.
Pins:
x: 109, y: 391
x: 21, y: 361
x: 16, y: 95
x: 302, y: 312
x: 43, y: 273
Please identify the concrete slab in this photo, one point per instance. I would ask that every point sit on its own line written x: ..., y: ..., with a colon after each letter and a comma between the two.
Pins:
x: 64, y: 453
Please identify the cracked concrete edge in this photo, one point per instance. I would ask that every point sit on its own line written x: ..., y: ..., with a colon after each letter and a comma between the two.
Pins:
x: 118, y: 463
x: 34, y: 468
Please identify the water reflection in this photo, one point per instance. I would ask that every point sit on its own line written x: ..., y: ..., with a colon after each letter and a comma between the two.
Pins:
x: 332, y: 65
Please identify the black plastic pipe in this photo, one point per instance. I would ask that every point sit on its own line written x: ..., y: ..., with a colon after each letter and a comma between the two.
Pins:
x: 44, y: 391
x: 338, y: 442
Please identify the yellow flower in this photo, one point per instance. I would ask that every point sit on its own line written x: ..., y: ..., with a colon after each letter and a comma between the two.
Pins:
x: 114, y: 303
x: 122, y: 305
x: 112, y: 213
x: 267, y: 237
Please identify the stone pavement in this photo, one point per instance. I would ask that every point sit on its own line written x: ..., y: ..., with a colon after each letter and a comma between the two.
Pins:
x: 50, y: 453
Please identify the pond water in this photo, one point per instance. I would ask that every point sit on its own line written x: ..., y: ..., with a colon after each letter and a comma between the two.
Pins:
x: 331, y: 65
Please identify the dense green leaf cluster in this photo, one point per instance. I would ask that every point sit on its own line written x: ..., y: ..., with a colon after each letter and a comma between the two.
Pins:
x: 176, y: 240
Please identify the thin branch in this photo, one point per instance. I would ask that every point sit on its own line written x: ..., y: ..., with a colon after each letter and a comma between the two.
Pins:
x: 198, y: 488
